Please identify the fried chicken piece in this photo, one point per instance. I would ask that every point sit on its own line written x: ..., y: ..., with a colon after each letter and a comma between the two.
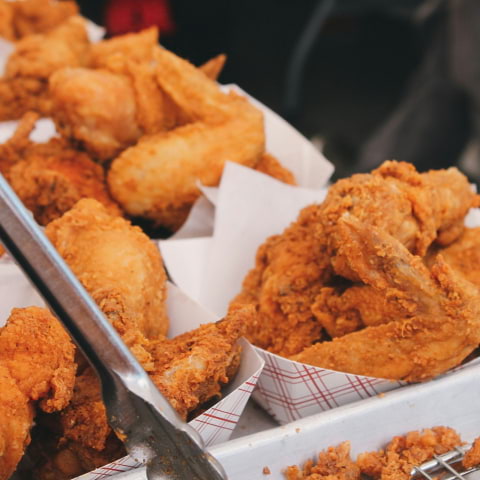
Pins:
x: 36, y: 57
x: 213, y: 67
x: 134, y: 55
x: 87, y: 109
x: 15, y: 148
x: 114, y: 53
x: 270, y: 165
x: 345, y: 310
x: 157, y: 178
x: 289, y: 273
x: 405, y: 452
x: 117, y: 263
x: 333, y: 464
x: 51, y: 177
x: 50, y: 186
x: 463, y: 255
x: 444, y: 312
x: 416, y: 209
x: 41, y: 16
x: 36, y: 365
x: 472, y: 457
x: 7, y: 30
x: 189, y: 370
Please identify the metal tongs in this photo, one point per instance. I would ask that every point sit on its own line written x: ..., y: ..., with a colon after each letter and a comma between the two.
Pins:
x: 141, y: 416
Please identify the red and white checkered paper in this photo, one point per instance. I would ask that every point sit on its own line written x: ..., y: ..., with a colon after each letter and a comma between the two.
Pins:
x: 291, y: 390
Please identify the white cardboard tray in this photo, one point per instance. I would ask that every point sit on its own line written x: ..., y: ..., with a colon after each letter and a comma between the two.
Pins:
x: 452, y: 401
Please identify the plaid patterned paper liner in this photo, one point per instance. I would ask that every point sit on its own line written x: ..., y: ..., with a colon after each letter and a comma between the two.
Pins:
x: 291, y: 390
x: 215, y: 425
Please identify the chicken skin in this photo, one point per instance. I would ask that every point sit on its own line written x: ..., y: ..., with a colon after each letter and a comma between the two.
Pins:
x: 442, y: 328
x: 51, y: 177
x: 189, y: 370
x: 36, y: 367
x: 40, y: 16
x: 289, y: 273
x: 118, y: 265
x: 416, y: 209
x: 87, y: 109
x: 157, y: 178
x: 34, y: 60
x: 463, y: 255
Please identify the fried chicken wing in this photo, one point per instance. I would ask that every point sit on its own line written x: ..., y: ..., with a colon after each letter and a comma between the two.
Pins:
x: 445, y: 311
x: 88, y: 110
x: 189, y: 369
x: 36, y: 365
x: 36, y: 57
x: 114, y: 53
x: 463, y: 255
x: 289, y: 273
x: 294, y: 282
x: 416, y: 209
x: 157, y: 178
x: 51, y: 177
x: 41, y: 16
x: 345, y: 310
x: 118, y: 265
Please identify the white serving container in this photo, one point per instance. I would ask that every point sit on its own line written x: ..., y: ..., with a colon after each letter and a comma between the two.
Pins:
x: 452, y: 401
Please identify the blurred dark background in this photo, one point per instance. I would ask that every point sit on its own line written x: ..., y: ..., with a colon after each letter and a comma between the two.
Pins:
x: 373, y: 80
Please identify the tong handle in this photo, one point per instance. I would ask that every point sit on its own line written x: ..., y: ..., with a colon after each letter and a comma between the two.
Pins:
x: 137, y: 411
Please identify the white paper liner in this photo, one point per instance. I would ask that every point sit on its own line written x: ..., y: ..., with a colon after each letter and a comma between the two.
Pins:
x: 216, y: 424
x: 249, y: 208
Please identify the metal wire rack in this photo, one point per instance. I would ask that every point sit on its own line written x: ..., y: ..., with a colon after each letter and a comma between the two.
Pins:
x: 446, y: 467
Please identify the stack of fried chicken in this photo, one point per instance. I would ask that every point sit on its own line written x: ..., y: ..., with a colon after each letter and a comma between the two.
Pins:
x: 139, y: 127
x: 381, y: 279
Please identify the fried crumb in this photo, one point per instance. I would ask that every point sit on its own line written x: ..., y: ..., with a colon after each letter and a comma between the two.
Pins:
x: 472, y: 457
x: 333, y: 464
x: 395, y: 462
x: 266, y: 471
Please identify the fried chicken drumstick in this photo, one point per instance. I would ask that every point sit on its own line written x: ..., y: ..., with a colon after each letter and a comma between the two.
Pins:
x: 36, y: 367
